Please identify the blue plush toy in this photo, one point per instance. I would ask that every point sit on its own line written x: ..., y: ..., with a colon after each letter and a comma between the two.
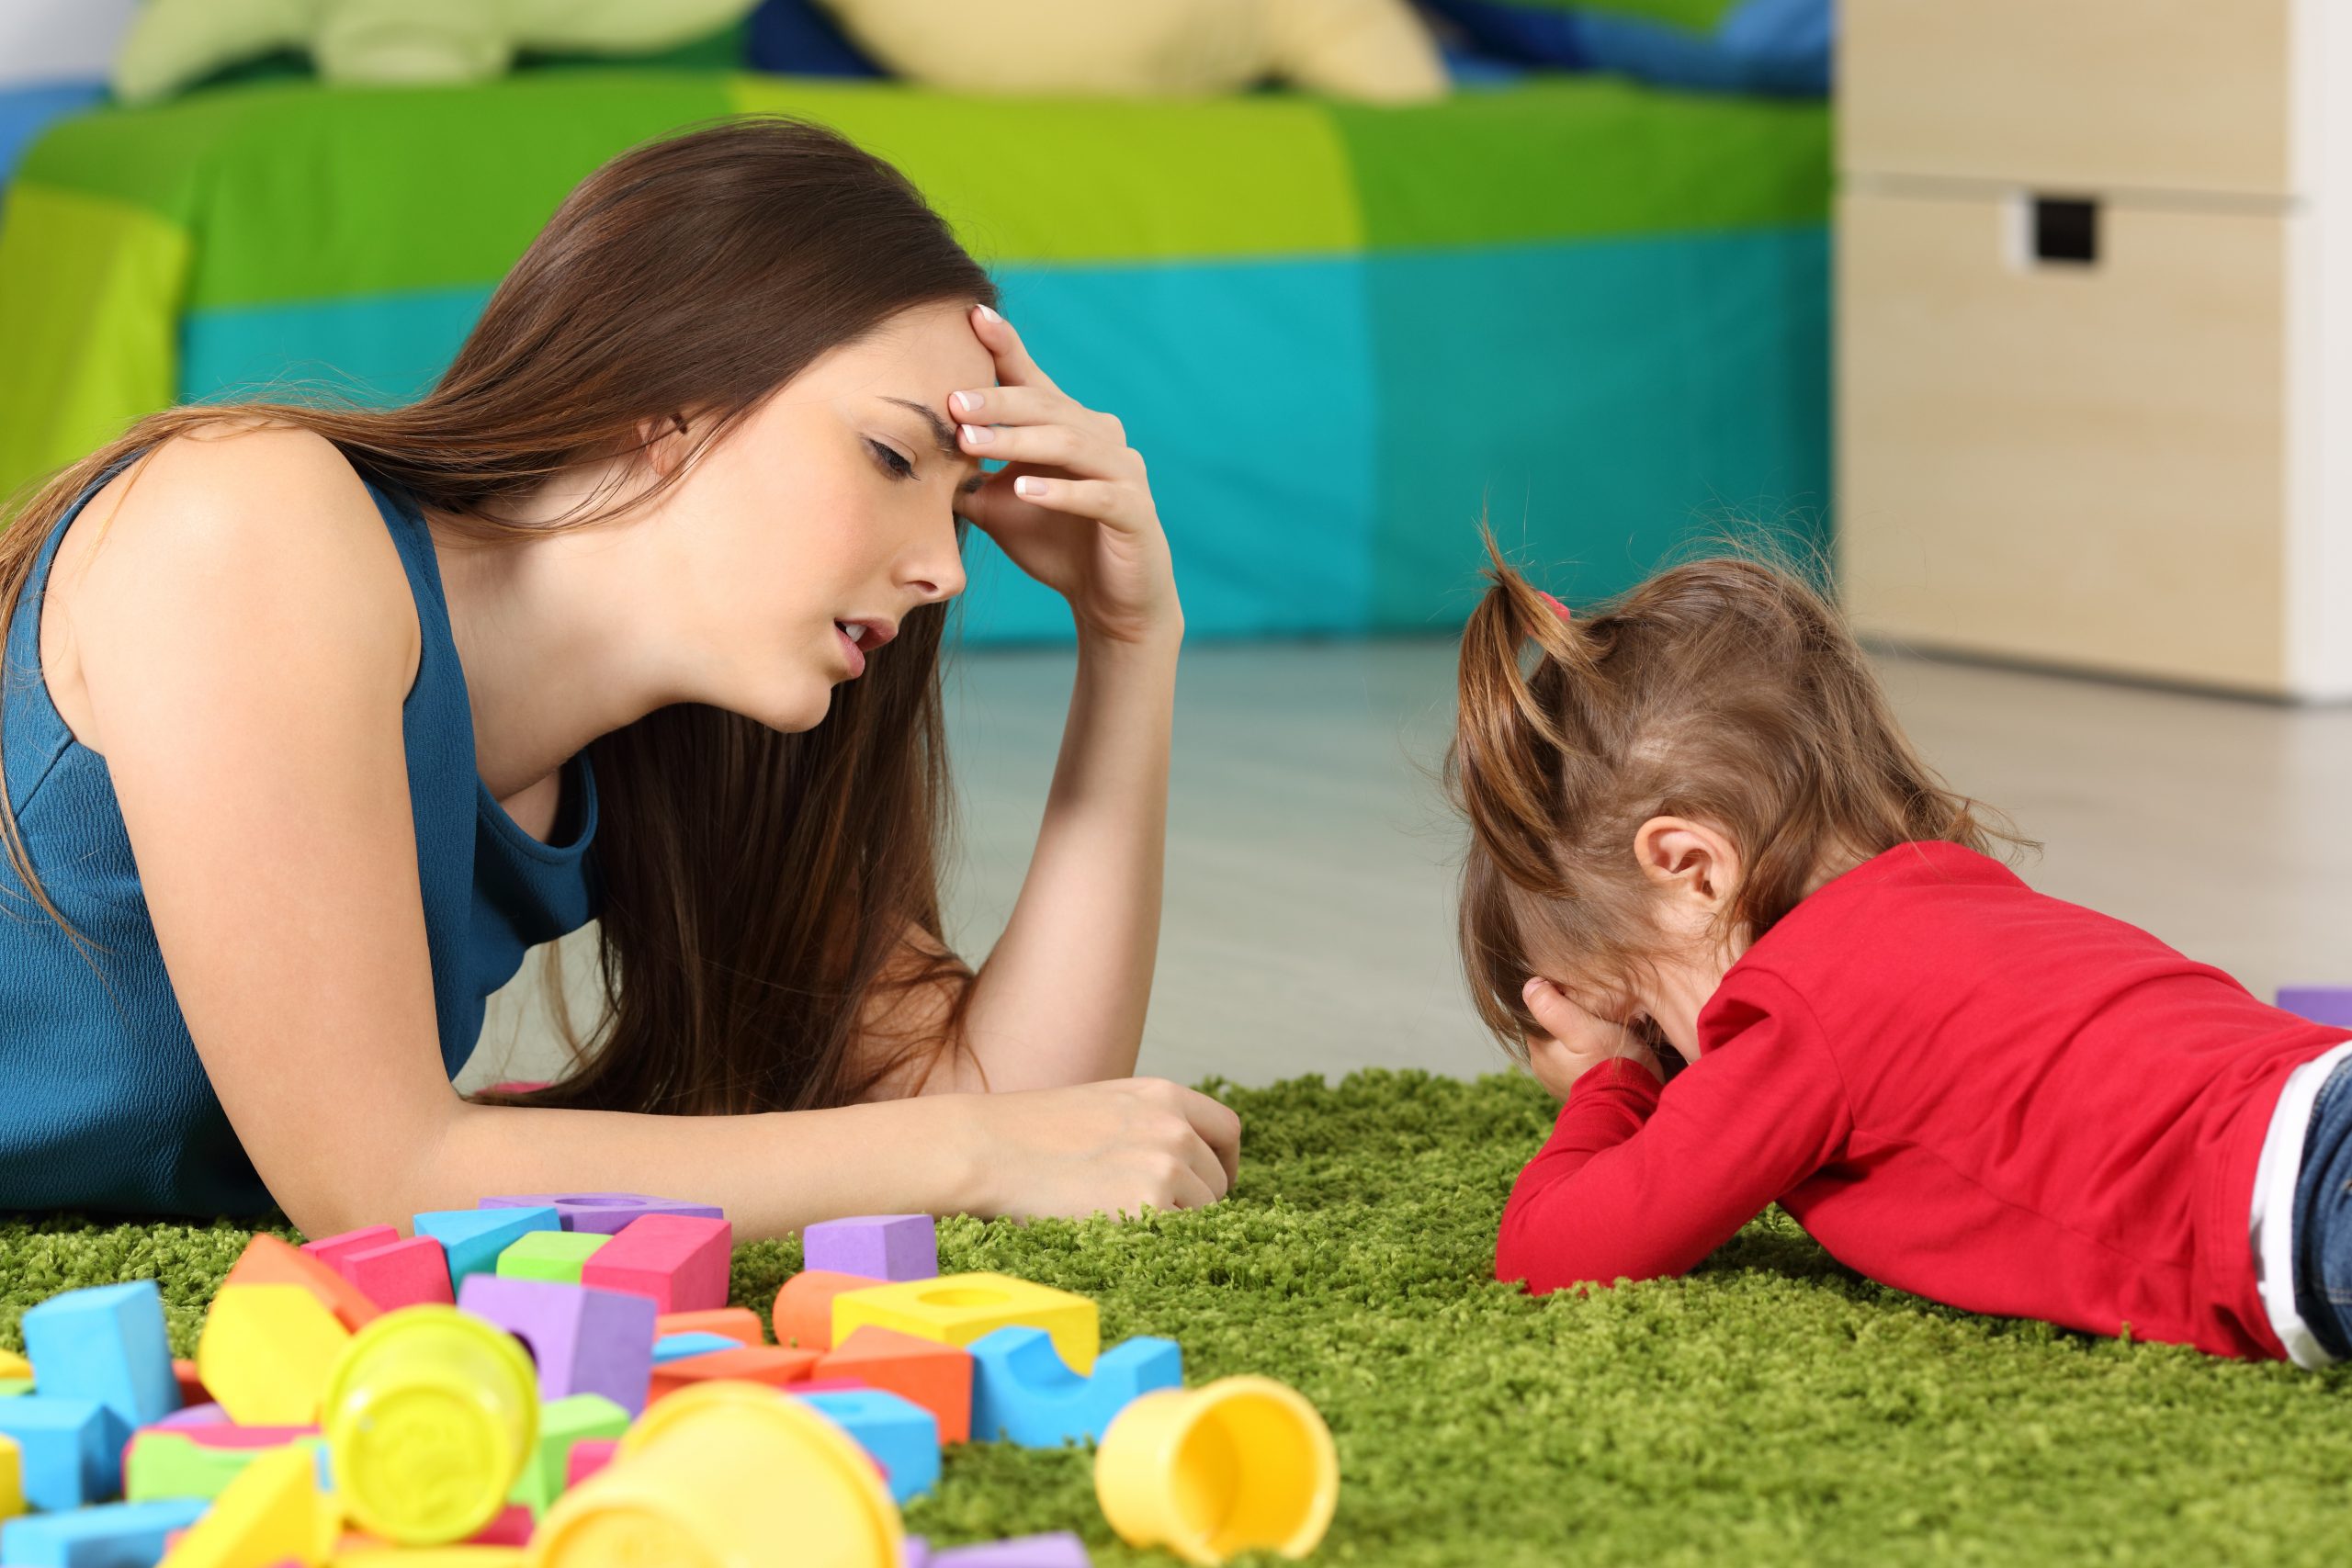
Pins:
x: 1760, y: 46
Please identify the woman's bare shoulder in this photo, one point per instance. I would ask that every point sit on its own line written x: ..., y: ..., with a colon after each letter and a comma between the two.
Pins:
x: 263, y: 534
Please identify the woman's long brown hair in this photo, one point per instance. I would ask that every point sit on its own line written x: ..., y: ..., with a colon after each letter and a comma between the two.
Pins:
x: 757, y: 889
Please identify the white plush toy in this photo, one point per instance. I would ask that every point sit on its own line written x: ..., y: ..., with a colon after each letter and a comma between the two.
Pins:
x: 1376, y: 50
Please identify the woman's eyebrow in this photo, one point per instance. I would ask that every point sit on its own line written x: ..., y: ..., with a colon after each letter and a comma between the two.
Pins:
x: 941, y: 433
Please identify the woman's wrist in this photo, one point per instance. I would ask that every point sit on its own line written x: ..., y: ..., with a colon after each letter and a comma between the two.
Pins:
x: 1152, y: 646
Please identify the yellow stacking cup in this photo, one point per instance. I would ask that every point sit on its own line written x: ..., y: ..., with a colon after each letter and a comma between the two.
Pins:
x: 1238, y: 1465
x: 429, y: 1416
x: 726, y: 1475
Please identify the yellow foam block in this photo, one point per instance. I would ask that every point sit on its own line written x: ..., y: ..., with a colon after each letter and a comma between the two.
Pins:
x: 956, y: 1309
x: 385, y: 1556
x: 271, y: 1513
x: 14, y: 1366
x: 266, y: 1351
x: 12, y: 1479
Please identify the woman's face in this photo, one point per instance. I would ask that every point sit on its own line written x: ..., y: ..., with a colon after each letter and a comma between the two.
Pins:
x: 797, y: 544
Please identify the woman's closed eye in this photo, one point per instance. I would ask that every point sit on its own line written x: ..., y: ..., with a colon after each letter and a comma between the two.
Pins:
x: 894, y: 462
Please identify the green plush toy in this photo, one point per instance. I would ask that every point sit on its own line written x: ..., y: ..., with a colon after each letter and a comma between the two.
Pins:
x: 177, y: 42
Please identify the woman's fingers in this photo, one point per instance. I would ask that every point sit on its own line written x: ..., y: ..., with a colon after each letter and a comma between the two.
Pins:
x: 1101, y: 501
x: 1084, y: 453
x: 1014, y: 365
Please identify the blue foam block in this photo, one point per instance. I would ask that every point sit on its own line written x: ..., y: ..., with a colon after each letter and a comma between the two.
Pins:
x: 71, y: 1448
x: 474, y: 1237
x: 106, y: 1343
x: 119, y: 1534
x: 1023, y: 1391
x: 678, y: 1347
x: 902, y: 1436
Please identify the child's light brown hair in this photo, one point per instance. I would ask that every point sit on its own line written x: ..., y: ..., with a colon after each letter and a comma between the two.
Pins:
x: 1724, y: 689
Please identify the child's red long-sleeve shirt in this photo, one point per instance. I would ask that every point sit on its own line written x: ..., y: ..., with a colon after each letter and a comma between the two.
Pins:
x: 1960, y: 1087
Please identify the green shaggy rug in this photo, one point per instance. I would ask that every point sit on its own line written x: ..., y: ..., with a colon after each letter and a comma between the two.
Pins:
x: 1770, y: 1408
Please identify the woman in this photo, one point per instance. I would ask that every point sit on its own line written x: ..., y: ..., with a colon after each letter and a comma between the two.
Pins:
x: 315, y: 719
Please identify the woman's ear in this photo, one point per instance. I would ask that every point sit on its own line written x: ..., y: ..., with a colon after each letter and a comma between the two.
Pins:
x: 663, y: 444
x: 1687, y: 861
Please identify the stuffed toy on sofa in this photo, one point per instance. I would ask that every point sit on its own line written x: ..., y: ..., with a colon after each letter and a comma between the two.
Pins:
x: 1376, y: 50
x: 175, y: 43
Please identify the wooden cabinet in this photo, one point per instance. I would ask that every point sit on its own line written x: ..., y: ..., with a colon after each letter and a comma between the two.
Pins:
x: 2093, y: 363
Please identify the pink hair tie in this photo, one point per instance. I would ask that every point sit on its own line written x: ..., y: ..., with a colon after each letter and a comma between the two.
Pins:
x: 1557, y: 608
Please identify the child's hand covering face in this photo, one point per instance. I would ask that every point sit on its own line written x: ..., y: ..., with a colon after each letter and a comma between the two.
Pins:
x: 1574, y: 1040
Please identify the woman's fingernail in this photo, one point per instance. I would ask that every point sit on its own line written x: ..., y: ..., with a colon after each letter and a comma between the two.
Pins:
x: 988, y: 315
x: 966, y: 402
x: 979, y: 434
x: 1029, y: 485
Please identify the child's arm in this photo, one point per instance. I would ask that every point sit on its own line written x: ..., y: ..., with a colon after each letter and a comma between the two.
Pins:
x: 1635, y: 1185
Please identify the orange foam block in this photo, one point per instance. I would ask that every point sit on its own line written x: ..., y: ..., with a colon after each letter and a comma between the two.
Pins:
x: 733, y: 1323
x: 680, y: 1261
x: 923, y: 1372
x: 804, y: 1307
x: 770, y: 1364
x: 269, y: 1261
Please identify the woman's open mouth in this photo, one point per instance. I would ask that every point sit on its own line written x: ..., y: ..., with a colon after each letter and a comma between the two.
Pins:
x: 859, y: 639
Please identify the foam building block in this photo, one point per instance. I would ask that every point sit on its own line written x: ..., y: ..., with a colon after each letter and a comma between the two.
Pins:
x: 1060, y: 1550
x: 192, y: 1389
x: 331, y: 1250
x: 266, y: 1260
x: 740, y: 1324
x: 205, y: 1415
x: 959, y: 1308
x: 274, y: 1512
x: 69, y: 1451
x: 15, y: 1366
x: 678, y: 1347
x: 1022, y: 1389
x: 10, y: 1387
x: 550, y: 1254
x: 937, y: 1377
x: 163, y: 1463
x: 106, y: 1343
x: 770, y: 1364
x: 606, y: 1213
x: 804, y: 1306
x: 679, y: 1261
x: 117, y: 1533
x: 512, y: 1527
x: 408, y: 1272
x: 564, y: 1423
x: 2329, y: 1005
x: 265, y: 1352
x: 582, y: 1340
x: 901, y: 1435
x: 12, y: 1478
x: 474, y: 1237
x: 587, y: 1457
x: 879, y: 1247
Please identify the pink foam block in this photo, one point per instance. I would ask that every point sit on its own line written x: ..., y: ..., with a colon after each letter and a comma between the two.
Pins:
x: 588, y: 1456
x: 332, y: 1249
x: 405, y: 1273
x: 245, y: 1437
x: 605, y: 1213
x: 677, y: 1261
x: 511, y: 1528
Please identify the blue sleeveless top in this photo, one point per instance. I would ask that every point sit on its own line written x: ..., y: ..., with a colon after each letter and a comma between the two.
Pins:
x: 103, y: 1103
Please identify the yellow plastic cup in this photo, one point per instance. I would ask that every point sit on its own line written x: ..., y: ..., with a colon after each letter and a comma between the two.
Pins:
x: 1236, y: 1465
x: 429, y: 1417
x: 726, y: 1475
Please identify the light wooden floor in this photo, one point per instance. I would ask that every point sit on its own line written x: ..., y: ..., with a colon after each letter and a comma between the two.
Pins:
x: 1311, y: 859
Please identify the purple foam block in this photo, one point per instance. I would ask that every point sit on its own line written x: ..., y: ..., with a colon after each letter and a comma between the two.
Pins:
x: 603, y: 1213
x: 875, y: 1247
x: 188, y: 1416
x: 584, y: 1340
x: 2329, y: 1005
x: 1060, y: 1550
x: 915, y: 1552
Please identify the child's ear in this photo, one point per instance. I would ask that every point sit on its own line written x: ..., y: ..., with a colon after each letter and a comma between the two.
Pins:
x: 1688, y: 859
